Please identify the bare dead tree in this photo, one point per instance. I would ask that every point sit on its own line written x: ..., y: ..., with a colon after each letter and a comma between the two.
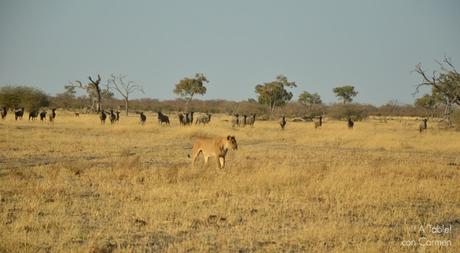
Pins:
x: 445, y: 85
x: 124, y: 88
x: 92, y: 86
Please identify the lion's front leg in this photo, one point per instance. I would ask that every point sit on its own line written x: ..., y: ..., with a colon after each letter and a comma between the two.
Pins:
x: 221, y: 161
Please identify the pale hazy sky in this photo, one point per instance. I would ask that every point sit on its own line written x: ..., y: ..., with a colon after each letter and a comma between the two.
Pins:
x: 370, y: 44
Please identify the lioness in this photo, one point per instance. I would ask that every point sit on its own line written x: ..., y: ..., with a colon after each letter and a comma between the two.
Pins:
x: 217, y: 147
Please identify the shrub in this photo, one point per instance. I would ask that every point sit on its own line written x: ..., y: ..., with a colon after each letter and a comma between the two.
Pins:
x: 23, y: 96
x: 353, y: 111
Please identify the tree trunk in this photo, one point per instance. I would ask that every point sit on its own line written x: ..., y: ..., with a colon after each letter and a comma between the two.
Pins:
x: 126, y: 105
x: 99, y: 100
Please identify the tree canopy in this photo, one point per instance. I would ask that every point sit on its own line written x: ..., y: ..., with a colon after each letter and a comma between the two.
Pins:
x: 23, y: 96
x: 346, y: 93
x: 189, y: 87
x: 309, y: 99
x: 275, y: 93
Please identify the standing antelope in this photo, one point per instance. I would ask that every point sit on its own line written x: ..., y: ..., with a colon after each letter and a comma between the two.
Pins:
x: 143, y: 118
x: 103, y: 116
x: 236, y: 120
x: 118, y: 116
x: 52, y: 115
x: 423, y: 126
x: 18, y: 113
x: 282, y: 122
x: 113, y: 117
x: 250, y: 121
x: 162, y: 118
x: 203, y: 119
x: 43, y: 115
x: 350, y: 123
x: 319, y: 123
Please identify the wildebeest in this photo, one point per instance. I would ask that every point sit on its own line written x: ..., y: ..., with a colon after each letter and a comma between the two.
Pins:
x: 18, y: 113
x: 186, y: 119
x: 423, y: 126
x: 251, y: 119
x: 319, y: 123
x: 189, y: 118
x: 43, y: 115
x: 236, y: 120
x: 283, y: 122
x: 52, y: 115
x: 113, y: 117
x: 103, y: 116
x: 33, y: 115
x: 203, y: 119
x: 143, y: 118
x: 162, y: 118
x: 245, y: 117
x: 4, y: 112
x: 118, y: 116
x: 182, y: 119
x: 350, y: 123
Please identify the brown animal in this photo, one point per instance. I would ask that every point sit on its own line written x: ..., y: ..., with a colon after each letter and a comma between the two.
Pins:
x: 423, y: 126
x: 350, y: 123
x: 282, y: 122
x: 213, y: 147
x: 319, y: 123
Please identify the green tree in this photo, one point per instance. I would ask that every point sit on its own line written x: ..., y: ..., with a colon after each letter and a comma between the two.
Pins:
x: 275, y: 93
x: 428, y: 102
x: 308, y: 99
x: 189, y: 87
x: 346, y: 93
x: 22, y: 96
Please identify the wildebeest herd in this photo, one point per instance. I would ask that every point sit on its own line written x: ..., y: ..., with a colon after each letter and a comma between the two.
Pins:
x: 183, y: 118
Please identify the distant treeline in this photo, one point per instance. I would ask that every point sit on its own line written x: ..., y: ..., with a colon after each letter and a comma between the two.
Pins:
x: 32, y: 99
x: 291, y: 109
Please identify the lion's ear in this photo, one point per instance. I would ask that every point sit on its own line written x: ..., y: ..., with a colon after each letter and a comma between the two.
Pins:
x: 233, y: 137
x: 228, y: 137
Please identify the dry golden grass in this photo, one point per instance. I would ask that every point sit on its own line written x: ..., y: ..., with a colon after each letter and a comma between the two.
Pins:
x: 77, y: 186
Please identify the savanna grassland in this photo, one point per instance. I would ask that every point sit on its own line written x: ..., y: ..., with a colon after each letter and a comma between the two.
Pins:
x: 79, y: 186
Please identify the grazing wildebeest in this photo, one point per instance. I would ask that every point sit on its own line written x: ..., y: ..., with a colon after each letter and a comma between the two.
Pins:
x: 4, y: 112
x: 319, y: 123
x: 143, y: 118
x: 350, y: 123
x: 283, y: 122
x: 236, y: 120
x: 43, y: 115
x: 103, y: 116
x: 77, y: 114
x: 163, y: 118
x: 113, y: 117
x: 52, y: 115
x: 203, y: 119
x: 18, y: 113
x: 423, y: 126
x: 251, y: 119
x: 118, y: 116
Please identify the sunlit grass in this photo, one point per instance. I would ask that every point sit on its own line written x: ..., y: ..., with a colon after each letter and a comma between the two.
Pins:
x: 77, y: 185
